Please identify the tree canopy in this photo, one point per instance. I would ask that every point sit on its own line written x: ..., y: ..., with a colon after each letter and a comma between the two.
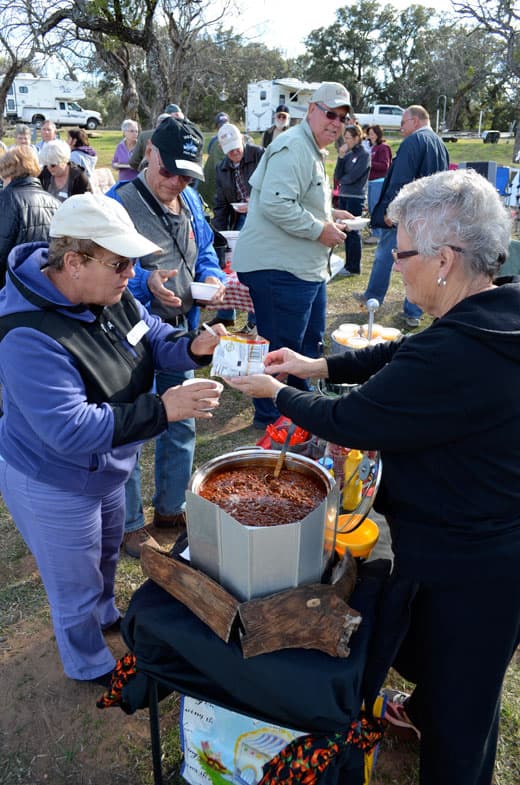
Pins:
x: 152, y: 52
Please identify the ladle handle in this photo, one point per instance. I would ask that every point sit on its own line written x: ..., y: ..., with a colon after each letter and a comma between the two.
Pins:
x: 281, y: 458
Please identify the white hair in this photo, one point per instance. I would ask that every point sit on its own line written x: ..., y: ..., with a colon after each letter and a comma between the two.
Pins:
x: 457, y: 208
x: 55, y: 152
x: 129, y: 125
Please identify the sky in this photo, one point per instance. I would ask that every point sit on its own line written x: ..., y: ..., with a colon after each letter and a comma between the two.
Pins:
x: 283, y: 24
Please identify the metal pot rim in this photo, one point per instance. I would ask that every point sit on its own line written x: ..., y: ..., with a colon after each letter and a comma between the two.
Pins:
x: 269, y: 457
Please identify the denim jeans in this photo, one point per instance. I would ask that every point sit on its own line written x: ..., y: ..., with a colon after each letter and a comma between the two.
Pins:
x: 353, y: 241
x: 289, y: 312
x: 174, y: 450
x: 379, y: 280
x: 374, y: 192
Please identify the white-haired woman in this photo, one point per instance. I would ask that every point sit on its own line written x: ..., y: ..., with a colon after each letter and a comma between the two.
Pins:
x: 443, y: 408
x: 125, y: 148
x: 59, y: 176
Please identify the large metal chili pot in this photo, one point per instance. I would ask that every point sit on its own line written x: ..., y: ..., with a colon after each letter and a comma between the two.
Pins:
x: 255, y: 561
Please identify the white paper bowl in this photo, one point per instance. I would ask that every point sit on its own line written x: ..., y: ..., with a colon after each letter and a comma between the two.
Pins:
x: 203, y: 291
x: 356, y: 223
x: 212, y: 384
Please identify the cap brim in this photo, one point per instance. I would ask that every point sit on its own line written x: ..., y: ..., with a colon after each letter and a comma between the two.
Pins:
x: 183, y: 167
x: 131, y: 244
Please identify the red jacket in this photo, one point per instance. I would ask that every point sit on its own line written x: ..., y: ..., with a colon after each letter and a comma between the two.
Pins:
x: 380, y: 160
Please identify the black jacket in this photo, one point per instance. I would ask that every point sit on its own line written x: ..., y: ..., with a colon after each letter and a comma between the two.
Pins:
x: 25, y: 215
x: 78, y: 182
x: 443, y: 408
x: 225, y: 188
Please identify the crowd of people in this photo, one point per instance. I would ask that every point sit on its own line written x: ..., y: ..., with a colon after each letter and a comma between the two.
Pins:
x: 97, y: 302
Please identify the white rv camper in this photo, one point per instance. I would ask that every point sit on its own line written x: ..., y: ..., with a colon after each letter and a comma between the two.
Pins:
x: 264, y: 96
x: 33, y: 99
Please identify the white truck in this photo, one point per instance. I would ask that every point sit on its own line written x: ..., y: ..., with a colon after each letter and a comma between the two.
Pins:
x: 34, y: 99
x: 264, y: 96
x: 385, y: 115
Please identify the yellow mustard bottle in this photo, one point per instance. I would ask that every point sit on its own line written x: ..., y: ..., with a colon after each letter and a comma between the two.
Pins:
x: 353, y: 487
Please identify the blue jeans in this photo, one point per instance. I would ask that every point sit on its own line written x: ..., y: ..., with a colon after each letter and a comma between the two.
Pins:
x: 353, y: 240
x: 374, y: 192
x: 379, y: 280
x: 289, y: 312
x: 174, y: 450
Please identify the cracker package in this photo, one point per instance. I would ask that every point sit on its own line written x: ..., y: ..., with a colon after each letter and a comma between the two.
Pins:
x: 238, y: 355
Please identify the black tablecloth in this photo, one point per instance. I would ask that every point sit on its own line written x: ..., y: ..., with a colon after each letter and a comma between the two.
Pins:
x: 302, y: 689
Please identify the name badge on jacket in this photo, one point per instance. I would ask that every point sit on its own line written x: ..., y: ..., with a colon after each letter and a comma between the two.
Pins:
x: 136, y: 333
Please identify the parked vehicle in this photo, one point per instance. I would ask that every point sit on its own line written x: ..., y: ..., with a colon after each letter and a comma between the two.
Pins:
x: 264, y: 96
x: 386, y: 115
x: 33, y: 99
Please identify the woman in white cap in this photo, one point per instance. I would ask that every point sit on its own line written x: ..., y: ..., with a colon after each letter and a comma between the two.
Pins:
x: 71, y: 427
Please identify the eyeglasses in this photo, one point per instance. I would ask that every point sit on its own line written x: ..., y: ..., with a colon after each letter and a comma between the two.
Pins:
x: 330, y: 115
x: 117, y: 267
x: 168, y: 175
x: 400, y: 255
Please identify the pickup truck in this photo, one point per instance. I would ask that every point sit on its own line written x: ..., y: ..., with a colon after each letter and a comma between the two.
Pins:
x: 62, y: 113
x: 386, y: 115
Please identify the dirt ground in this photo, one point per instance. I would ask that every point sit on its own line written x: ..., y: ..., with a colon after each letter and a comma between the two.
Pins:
x: 51, y: 732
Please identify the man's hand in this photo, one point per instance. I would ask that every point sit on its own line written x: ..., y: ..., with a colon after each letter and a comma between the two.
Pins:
x: 331, y: 235
x: 218, y: 298
x: 341, y: 215
x: 156, y: 281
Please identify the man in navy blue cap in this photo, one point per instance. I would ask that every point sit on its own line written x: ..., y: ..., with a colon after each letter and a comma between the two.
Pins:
x: 169, y: 212
x: 282, y: 121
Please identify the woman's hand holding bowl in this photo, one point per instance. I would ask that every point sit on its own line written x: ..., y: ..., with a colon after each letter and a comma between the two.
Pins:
x: 194, y: 399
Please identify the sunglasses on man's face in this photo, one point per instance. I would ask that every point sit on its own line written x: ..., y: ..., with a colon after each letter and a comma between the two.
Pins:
x: 330, y: 115
x: 168, y: 175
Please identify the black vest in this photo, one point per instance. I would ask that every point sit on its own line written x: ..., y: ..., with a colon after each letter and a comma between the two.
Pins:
x: 111, y: 369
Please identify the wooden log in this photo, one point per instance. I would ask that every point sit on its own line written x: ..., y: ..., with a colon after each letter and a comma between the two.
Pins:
x: 211, y: 603
x: 309, y: 617
x: 315, y: 616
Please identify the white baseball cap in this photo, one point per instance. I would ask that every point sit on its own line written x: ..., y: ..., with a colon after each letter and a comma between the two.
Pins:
x: 104, y: 221
x: 331, y: 94
x: 229, y: 138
